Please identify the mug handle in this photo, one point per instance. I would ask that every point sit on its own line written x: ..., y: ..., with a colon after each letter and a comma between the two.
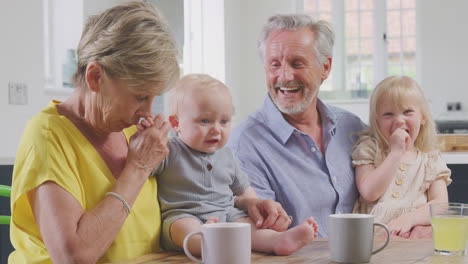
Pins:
x: 384, y: 245
x: 186, y: 250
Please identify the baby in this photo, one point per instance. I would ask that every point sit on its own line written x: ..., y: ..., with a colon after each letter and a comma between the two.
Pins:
x: 200, y: 179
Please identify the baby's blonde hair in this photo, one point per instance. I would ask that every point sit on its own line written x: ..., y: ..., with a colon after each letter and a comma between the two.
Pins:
x: 187, y: 84
x: 394, y: 89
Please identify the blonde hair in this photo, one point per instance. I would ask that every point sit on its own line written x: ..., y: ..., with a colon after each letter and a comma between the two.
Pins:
x: 394, y: 89
x: 133, y: 43
x: 187, y: 84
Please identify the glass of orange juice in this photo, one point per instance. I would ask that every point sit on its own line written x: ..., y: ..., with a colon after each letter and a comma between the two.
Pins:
x: 449, y: 228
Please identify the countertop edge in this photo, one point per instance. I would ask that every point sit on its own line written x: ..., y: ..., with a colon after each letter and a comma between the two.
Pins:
x: 7, y: 160
x: 455, y: 157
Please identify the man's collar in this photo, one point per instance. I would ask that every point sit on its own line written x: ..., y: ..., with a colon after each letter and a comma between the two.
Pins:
x: 283, y: 130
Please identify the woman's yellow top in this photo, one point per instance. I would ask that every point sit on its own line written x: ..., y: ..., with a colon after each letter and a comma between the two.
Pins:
x: 53, y: 149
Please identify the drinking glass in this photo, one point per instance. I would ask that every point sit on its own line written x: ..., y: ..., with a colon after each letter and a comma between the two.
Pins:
x: 449, y: 228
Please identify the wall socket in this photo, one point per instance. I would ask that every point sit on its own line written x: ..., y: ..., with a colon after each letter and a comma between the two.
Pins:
x: 454, y: 106
x: 17, y: 93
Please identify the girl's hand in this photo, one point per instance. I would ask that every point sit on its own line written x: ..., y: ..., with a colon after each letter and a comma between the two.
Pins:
x: 401, y: 226
x: 148, y: 147
x: 399, y: 141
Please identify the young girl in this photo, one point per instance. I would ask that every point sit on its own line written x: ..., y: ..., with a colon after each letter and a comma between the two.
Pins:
x: 398, y: 168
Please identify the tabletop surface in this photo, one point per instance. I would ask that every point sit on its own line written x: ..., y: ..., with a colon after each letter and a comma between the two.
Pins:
x: 397, y: 251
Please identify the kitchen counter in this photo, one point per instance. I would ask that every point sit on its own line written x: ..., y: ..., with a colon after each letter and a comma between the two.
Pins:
x: 7, y: 161
x: 455, y: 157
x: 454, y: 148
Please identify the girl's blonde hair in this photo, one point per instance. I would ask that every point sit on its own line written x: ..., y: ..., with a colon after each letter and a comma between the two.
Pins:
x: 394, y: 89
x: 133, y: 43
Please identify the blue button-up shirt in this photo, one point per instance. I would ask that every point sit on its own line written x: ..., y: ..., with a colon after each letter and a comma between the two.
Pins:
x: 286, y: 165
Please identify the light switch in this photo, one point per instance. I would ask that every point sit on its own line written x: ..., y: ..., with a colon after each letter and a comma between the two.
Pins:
x: 17, y: 93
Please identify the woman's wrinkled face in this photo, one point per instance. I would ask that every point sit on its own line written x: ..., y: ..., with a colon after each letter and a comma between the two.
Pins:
x: 118, y: 106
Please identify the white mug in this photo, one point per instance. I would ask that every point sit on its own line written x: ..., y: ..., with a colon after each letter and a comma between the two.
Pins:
x: 227, y: 243
x: 351, y: 237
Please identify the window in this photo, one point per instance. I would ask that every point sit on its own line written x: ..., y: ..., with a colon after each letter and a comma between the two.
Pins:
x: 373, y: 39
x: 204, y: 38
x: 63, y: 22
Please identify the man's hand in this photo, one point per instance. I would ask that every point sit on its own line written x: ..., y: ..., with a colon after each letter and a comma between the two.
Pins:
x: 264, y: 213
x: 268, y: 214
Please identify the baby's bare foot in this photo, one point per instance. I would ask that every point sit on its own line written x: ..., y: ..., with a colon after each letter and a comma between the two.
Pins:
x: 297, y: 237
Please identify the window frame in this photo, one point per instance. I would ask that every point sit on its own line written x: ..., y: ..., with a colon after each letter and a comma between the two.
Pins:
x: 380, y: 56
x: 54, y: 44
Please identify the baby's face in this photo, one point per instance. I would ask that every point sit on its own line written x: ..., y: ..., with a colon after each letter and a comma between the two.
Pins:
x: 205, y: 120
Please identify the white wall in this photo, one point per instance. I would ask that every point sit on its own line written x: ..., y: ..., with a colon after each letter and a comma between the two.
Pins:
x: 22, y: 56
x: 244, y: 72
x: 444, y: 50
x: 21, y: 53
x: 444, y: 56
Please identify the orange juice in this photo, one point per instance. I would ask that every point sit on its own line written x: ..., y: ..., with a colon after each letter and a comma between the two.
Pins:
x: 450, y: 232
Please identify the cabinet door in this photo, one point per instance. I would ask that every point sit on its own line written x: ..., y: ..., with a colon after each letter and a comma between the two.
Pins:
x: 457, y: 190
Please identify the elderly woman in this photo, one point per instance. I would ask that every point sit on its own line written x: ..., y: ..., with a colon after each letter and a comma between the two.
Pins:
x: 81, y: 192
x: 81, y: 186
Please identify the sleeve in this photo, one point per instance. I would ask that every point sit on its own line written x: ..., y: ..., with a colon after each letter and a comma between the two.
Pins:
x: 46, y: 153
x: 240, y: 181
x: 250, y: 162
x: 436, y: 169
x: 158, y: 170
x: 173, y: 152
x: 40, y: 158
x: 364, y: 152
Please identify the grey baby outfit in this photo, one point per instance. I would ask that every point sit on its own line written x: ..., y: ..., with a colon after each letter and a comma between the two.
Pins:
x: 198, y: 185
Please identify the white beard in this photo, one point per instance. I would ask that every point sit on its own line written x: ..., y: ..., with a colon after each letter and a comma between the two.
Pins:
x: 298, y: 108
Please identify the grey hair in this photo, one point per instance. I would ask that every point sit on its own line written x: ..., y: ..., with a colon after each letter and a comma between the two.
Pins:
x: 133, y: 43
x: 293, y: 22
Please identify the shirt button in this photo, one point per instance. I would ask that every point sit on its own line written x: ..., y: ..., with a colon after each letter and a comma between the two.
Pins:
x: 209, y: 166
x: 399, y: 181
x: 313, y: 149
x: 403, y: 167
x: 334, y: 178
x: 395, y: 194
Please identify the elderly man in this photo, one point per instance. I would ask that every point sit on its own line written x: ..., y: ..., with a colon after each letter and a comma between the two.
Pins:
x: 296, y: 149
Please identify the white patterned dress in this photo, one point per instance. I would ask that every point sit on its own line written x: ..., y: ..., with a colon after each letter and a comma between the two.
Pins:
x: 408, y: 189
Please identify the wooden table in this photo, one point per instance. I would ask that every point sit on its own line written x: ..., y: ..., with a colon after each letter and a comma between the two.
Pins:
x: 397, y: 252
